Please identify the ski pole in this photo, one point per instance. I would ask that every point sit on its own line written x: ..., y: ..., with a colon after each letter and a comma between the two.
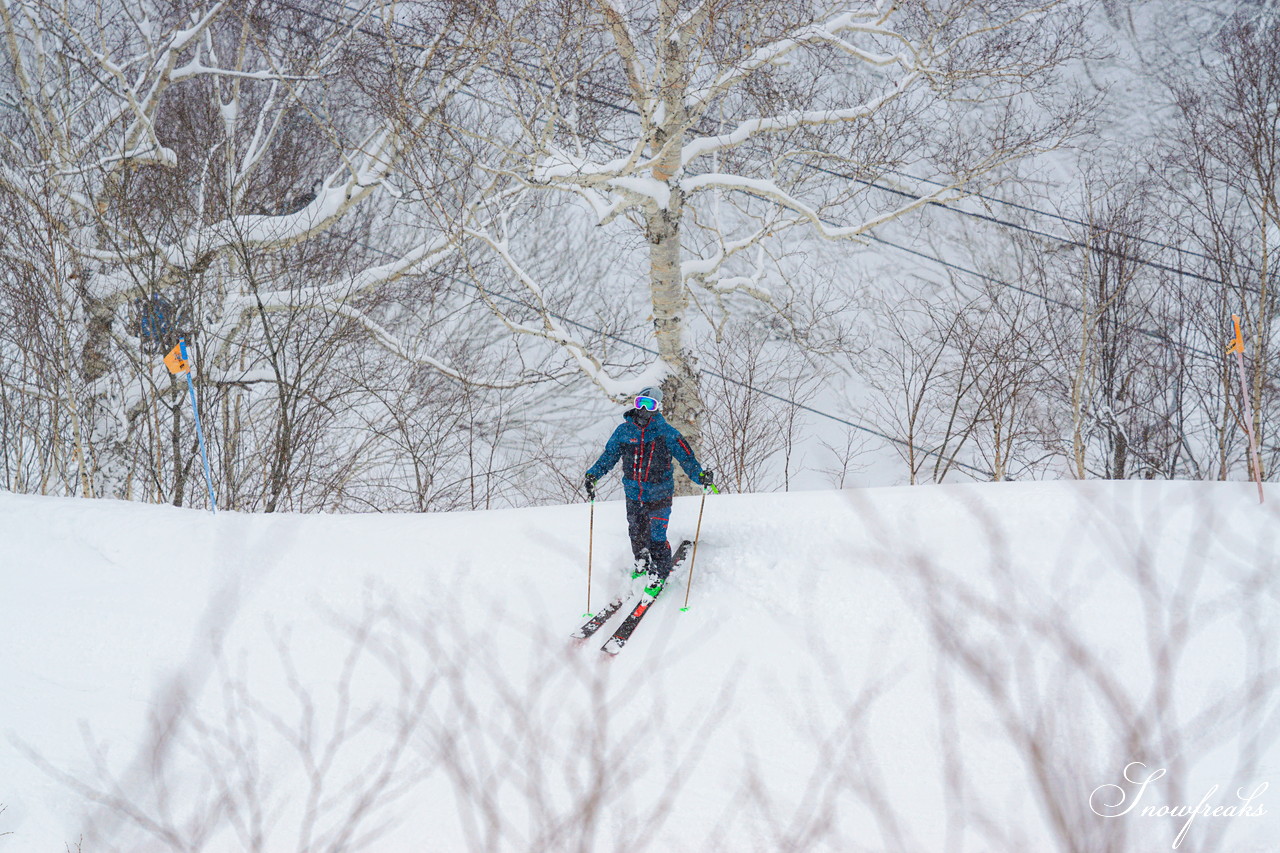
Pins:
x: 694, y: 556
x: 591, y: 531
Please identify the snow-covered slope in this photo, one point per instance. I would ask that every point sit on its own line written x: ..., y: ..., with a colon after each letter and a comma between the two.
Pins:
x: 915, y: 668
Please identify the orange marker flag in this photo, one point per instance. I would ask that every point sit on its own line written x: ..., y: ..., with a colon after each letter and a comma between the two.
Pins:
x: 1237, y: 345
x: 175, y: 362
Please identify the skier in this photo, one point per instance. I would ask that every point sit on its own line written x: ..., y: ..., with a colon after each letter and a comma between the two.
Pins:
x: 648, y: 442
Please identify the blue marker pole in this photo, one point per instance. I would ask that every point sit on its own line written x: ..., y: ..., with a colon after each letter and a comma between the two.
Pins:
x: 195, y: 410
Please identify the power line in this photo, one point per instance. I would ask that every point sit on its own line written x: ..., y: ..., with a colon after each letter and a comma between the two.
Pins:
x: 1163, y: 339
x: 602, y: 333
x: 1157, y: 336
x: 959, y: 211
x: 1035, y: 231
x: 1093, y: 226
x: 903, y: 193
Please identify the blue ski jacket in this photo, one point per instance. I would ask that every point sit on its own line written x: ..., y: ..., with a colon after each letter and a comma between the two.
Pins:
x: 646, y: 451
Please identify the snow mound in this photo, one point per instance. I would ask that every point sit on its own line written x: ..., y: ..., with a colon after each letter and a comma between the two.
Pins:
x: 986, y: 667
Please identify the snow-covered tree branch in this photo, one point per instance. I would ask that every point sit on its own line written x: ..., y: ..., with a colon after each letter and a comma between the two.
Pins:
x: 714, y: 129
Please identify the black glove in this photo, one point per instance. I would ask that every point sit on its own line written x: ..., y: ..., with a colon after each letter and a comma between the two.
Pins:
x: 590, y: 483
x: 705, y: 477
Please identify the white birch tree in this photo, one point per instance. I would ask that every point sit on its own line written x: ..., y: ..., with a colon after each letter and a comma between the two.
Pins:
x: 722, y: 132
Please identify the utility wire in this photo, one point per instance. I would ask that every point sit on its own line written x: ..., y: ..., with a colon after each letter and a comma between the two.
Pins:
x: 1093, y: 226
x: 876, y: 185
x: 1156, y: 336
x: 1045, y: 234
x: 903, y: 193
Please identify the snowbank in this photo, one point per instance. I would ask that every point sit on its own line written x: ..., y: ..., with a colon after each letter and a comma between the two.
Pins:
x: 914, y: 668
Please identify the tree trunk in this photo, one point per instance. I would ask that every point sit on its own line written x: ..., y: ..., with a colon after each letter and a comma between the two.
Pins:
x: 1078, y: 383
x: 1120, y: 455
x: 180, y: 465
x: 1262, y: 335
x: 682, y: 398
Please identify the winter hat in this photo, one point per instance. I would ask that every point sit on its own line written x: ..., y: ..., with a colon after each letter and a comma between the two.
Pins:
x: 655, y: 393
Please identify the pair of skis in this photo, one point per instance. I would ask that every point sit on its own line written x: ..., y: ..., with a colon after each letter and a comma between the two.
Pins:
x: 619, y: 639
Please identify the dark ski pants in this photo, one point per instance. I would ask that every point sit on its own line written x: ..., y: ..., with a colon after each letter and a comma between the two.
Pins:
x: 647, y: 526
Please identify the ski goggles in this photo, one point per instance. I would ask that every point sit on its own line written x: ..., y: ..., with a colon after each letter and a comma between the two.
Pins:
x: 647, y: 403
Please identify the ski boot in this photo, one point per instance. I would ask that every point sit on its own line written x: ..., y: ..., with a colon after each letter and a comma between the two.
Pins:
x: 657, y: 580
x: 643, y: 564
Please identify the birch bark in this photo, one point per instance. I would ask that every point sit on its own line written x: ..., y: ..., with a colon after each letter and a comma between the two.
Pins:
x: 682, y: 400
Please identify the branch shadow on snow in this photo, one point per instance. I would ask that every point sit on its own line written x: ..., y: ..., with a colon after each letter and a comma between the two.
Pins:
x: 1145, y: 633
x: 397, y: 720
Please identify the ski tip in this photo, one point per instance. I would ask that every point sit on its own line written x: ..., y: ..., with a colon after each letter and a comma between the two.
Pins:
x: 611, y: 648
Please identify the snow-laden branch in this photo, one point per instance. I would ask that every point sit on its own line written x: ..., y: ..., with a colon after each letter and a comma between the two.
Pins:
x: 258, y: 145
x: 154, y: 79
x: 752, y: 284
x: 826, y: 33
x: 384, y: 338
x: 560, y: 166
x: 430, y: 252
x: 645, y: 189
x: 336, y: 298
x: 638, y: 79
x: 607, y: 188
x: 745, y: 130
x: 45, y: 54
x: 770, y: 191
x: 552, y: 328
x: 196, y: 68
x: 363, y: 171
x: 705, y: 271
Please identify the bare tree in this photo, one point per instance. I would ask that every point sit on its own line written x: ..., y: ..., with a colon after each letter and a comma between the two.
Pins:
x: 1222, y: 167
x: 320, y: 775
x: 1127, y: 344
x: 921, y: 376
x: 843, y: 457
x: 324, y: 760
x: 754, y: 385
